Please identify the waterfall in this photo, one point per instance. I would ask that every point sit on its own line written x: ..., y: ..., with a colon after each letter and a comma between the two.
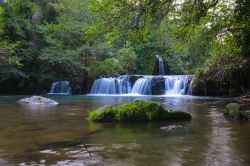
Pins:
x: 120, y: 85
x: 60, y: 87
x: 178, y: 85
x: 190, y: 88
x: 161, y: 66
x: 144, y: 85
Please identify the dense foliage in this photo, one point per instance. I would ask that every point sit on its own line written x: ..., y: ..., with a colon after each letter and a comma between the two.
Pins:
x: 79, y: 40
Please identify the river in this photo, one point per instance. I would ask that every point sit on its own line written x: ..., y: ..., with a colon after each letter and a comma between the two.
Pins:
x: 62, y: 135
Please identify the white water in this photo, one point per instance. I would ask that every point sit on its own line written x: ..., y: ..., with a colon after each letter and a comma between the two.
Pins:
x: 120, y: 85
x: 174, y: 85
x: 60, y: 87
x: 161, y: 66
x: 145, y: 85
x: 142, y: 86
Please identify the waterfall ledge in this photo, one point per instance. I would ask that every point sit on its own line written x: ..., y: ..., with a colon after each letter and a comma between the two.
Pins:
x: 144, y: 85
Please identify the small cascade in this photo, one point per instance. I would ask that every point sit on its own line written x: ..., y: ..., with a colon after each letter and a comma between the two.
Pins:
x: 161, y: 66
x: 190, y: 89
x: 144, y: 85
x: 112, y: 85
x: 60, y: 87
x: 178, y: 85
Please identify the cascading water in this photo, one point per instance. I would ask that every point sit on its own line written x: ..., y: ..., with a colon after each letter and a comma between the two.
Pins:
x: 190, y: 88
x: 161, y: 65
x: 120, y: 85
x: 60, y: 87
x: 144, y: 85
x: 178, y: 85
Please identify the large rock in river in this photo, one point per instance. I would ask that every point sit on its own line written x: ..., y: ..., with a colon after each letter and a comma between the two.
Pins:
x: 137, y: 111
x: 232, y: 111
x: 158, y: 85
x: 38, y: 100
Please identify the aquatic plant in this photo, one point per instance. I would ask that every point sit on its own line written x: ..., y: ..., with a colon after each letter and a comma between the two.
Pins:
x: 137, y: 111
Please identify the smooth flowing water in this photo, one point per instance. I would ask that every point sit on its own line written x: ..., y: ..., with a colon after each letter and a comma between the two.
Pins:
x: 60, y: 87
x: 144, y: 85
x: 161, y: 66
x: 62, y: 135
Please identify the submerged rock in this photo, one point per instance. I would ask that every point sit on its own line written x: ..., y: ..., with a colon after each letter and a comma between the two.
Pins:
x: 38, y: 100
x: 171, y: 127
x: 137, y: 111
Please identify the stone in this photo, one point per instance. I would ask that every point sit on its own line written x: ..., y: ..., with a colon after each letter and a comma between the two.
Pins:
x: 158, y: 85
x: 232, y: 107
x: 133, y: 79
x: 171, y: 127
x: 232, y: 111
x: 243, y: 99
x: 137, y: 111
x: 38, y: 100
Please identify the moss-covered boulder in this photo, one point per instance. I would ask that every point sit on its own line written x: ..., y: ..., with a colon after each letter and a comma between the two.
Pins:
x: 137, y: 111
x: 232, y: 111
x: 103, y: 114
x: 232, y: 108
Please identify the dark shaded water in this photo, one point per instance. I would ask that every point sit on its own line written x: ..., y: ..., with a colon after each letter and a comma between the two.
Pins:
x: 62, y: 135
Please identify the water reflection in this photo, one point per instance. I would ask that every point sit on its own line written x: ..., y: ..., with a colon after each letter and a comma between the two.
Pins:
x: 221, y: 150
x: 62, y: 135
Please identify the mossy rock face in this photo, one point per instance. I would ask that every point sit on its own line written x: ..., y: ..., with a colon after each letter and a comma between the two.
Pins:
x: 137, y: 111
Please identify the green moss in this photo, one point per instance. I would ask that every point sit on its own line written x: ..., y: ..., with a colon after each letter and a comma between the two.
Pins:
x: 137, y: 111
x: 105, y: 114
x: 232, y: 109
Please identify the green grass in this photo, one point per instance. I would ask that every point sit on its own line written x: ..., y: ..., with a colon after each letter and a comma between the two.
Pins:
x: 138, y: 111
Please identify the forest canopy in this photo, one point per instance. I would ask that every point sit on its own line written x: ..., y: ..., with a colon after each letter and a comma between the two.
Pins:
x: 78, y: 40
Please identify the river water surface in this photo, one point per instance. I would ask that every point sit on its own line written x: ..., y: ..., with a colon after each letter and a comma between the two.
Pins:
x: 62, y: 135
